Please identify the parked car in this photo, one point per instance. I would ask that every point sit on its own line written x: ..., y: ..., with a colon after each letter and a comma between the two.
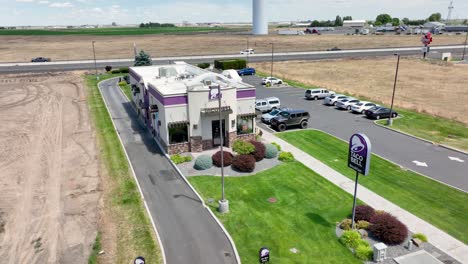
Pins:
x: 346, y: 103
x: 316, y: 94
x: 40, y: 59
x: 267, y: 104
x: 266, y: 118
x: 362, y: 106
x: 290, y: 118
x: 246, y: 71
x: 332, y: 99
x: 248, y: 51
x: 271, y: 80
x: 334, y: 49
x: 380, y: 112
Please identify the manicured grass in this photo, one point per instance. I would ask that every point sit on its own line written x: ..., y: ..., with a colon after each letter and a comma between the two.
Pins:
x: 304, y: 216
x: 432, y: 201
x: 108, y: 31
x: 436, y: 129
x: 290, y: 82
x: 134, y: 231
x: 126, y: 89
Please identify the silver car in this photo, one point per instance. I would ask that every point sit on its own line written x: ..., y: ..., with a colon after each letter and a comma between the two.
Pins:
x: 347, y: 103
x: 332, y: 99
x: 266, y: 118
x: 267, y: 104
x: 362, y: 106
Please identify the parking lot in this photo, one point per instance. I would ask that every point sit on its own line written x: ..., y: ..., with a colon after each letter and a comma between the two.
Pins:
x: 403, y: 150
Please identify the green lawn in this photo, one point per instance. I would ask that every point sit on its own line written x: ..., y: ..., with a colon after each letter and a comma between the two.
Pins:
x: 134, y: 230
x: 304, y: 217
x: 440, y: 205
x: 290, y: 82
x: 436, y: 129
x: 109, y: 31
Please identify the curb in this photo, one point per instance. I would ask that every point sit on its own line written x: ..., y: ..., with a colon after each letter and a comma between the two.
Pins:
x: 163, y: 254
x: 422, y: 139
x: 236, y: 253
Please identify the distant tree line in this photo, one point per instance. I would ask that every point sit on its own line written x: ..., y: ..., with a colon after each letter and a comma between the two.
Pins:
x: 156, y: 25
x: 328, y: 23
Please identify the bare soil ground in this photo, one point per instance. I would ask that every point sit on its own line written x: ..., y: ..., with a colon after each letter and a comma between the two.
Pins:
x: 23, y: 48
x: 434, y: 87
x: 49, y: 170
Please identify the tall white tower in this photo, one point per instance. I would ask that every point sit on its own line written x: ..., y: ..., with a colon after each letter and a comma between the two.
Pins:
x: 449, y: 14
x: 260, y: 21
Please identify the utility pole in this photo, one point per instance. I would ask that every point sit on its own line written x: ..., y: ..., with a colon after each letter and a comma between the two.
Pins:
x: 464, y: 48
x: 389, y: 121
x: 272, y: 58
x: 134, y: 50
x: 95, y: 65
x: 248, y: 52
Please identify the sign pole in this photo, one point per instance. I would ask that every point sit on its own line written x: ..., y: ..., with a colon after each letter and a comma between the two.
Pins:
x: 355, y: 194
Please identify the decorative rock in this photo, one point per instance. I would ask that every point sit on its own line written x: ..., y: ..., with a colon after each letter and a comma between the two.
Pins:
x: 363, y: 233
x: 417, y: 242
x: 101, y: 252
x: 294, y: 250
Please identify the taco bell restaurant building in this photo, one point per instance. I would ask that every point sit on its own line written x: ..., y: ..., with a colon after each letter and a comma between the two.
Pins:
x: 175, y: 103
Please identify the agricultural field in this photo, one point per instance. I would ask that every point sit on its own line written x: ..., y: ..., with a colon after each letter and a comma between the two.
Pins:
x: 72, y: 47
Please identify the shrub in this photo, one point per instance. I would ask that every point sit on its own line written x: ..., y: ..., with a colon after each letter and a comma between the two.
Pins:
x: 270, y: 151
x: 362, y: 224
x: 115, y: 71
x: 122, y: 84
x: 203, y: 162
x: 364, y: 212
x: 350, y: 238
x: 108, y: 68
x: 178, y: 159
x: 420, y: 236
x: 388, y: 229
x: 227, y: 159
x: 243, y: 147
x: 244, y: 163
x: 259, y: 152
x: 124, y: 70
x: 364, y: 252
x: 276, y: 145
x: 286, y: 156
x: 346, y: 224
x: 203, y: 65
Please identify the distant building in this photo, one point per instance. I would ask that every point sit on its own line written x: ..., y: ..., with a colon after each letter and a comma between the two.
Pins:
x: 354, y: 23
x: 434, y: 25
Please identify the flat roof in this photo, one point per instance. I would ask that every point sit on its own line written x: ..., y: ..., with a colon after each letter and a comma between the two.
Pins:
x: 179, y: 78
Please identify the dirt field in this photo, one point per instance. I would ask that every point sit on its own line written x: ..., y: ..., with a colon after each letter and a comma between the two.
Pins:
x: 436, y: 88
x: 49, y: 176
x: 23, y: 48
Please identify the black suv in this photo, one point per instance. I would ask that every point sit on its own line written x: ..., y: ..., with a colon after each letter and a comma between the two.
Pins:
x: 290, y: 118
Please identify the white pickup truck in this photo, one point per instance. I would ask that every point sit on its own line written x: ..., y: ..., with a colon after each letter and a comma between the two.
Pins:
x: 319, y: 93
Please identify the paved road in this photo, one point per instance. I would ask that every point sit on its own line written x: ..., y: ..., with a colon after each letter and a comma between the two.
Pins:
x: 278, y: 56
x: 391, y: 145
x: 187, y: 230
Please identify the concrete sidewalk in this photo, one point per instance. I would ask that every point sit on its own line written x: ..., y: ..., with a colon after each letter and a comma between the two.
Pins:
x: 437, y: 237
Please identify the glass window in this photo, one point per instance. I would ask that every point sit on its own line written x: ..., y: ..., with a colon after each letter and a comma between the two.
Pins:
x: 244, y: 125
x: 293, y: 116
x: 274, y: 112
x: 285, y: 114
x: 274, y: 102
x: 178, y: 135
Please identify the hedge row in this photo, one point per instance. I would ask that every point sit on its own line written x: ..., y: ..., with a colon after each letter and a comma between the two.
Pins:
x: 236, y: 64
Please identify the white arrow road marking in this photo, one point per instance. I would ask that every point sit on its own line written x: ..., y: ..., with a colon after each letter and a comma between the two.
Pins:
x: 419, y: 163
x: 456, y: 159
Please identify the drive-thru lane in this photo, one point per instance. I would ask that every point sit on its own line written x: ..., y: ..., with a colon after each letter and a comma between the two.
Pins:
x: 398, y: 148
x: 188, y: 232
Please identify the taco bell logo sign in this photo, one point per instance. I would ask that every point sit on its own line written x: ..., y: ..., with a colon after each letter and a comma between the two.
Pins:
x: 359, y: 153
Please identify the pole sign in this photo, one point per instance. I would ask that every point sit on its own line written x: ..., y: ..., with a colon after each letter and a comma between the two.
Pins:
x: 359, y: 153
x: 264, y: 255
x: 215, y: 92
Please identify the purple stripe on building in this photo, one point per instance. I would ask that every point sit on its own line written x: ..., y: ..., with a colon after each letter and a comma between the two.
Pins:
x: 246, y: 93
x: 174, y: 100
x: 134, y: 75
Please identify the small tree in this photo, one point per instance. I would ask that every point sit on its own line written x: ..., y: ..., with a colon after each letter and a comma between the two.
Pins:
x: 143, y: 59
x: 338, y: 21
x: 315, y: 23
x: 347, y: 18
x: 405, y: 21
x: 395, y: 21
x: 435, y: 17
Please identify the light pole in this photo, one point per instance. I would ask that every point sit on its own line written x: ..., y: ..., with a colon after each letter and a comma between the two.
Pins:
x: 95, y: 65
x: 389, y: 122
x: 272, y: 58
x: 223, y: 203
x: 464, y: 48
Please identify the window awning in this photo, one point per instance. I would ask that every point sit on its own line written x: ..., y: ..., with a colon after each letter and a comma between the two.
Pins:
x: 215, y: 110
x: 248, y: 115
x: 178, y: 124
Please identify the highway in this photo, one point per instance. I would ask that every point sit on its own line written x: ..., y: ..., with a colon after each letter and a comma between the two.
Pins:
x: 17, y: 67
